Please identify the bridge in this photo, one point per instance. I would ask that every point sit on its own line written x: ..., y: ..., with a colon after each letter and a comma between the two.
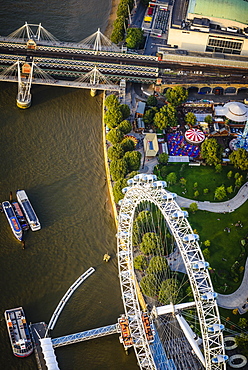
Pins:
x: 32, y: 55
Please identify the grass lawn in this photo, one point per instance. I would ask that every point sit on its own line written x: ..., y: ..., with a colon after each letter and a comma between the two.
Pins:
x: 204, y: 176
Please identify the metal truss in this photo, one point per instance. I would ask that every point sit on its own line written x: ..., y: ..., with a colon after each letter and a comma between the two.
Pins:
x: 153, y: 191
x: 85, y: 335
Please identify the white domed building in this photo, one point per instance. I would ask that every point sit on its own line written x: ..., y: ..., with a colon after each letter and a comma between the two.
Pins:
x: 235, y: 112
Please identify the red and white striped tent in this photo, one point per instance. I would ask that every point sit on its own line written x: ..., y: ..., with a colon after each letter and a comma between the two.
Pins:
x: 194, y: 136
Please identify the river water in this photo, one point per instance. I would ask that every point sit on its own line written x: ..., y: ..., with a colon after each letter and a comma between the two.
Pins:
x: 54, y: 151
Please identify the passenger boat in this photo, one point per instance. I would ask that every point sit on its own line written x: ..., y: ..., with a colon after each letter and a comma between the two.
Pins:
x: 19, y: 335
x: 28, y: 210
x: 12, y: 219
x: 20, y: 216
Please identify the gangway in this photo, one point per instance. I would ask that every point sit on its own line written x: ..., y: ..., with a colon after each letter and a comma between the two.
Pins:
x: 67, y: 295
x: 85, y: 335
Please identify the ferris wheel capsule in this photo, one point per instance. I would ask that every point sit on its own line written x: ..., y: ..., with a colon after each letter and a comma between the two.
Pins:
x: 169, y: 196
x: 216, y: 328
x: 190, y: 237
x: 151, y: 178
x: 179, y: 214
x: 140, y: 177
x: 124, y: 190
x: 131, y: 182
x: 219, y: 359
x: 209, y: 296
x: 200, y: 265
x: 159, y: 184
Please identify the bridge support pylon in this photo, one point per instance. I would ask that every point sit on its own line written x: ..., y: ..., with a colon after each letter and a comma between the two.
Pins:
x: 25, y: 74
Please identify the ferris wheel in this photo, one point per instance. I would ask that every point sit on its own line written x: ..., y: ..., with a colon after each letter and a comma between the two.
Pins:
x: 171, y: 315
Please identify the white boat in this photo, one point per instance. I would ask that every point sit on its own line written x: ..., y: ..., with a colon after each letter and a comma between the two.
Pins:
x: 28, y: 210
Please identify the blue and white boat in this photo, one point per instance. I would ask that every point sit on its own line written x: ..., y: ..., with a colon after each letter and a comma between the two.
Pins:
x: 28, y: 210
x: 12, y: 219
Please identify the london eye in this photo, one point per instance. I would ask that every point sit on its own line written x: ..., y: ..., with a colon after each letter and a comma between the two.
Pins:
x: 171, y: 315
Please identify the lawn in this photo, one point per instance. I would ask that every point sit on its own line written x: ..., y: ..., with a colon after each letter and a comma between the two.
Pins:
x: 205, y: 176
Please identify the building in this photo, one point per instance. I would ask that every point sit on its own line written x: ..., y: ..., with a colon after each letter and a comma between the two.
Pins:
x: 212, y: 26
x: 151, y: 145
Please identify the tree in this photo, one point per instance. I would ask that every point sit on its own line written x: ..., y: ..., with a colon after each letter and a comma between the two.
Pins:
x: 151, y: 244
x: 206, y: 254
x: 229, y: 174
x: 122, y: 10
x: 196, y: 194
x: 111, y: 101
x: 149, y: 285
x: 113, y: 117
x: 229, y: 189
x: 166, y: 117
x: 163, y: 158
x: 170, y: 292
x: 115, y: 152
x: 242, y: 342
x: 220, y: 193
x: 243, y: 322
x: 140, y: 262
x: 127, y: 144
x: 125, y: 110
x: 183, y: 181
x: 195, y: 185
x: 239, y: 158
x: 133, y: 160
x: 157, y: 264
x: 118, y: 169
x: 236, y: 176
x: 239, y: 181
x: 115, y: 136
x: 190, y: 119
x: 118, y: 32
x: 151, y: 101
x: 218, y: 168
x: 148, y: 117
x: 135, y: 38
x: 193, y: 207
x: 208, y: 119
x: 125, y: 126
x: 211, y: 151
x: 142, y: 222
x: 205, y: 191
x: 207, y: 243
x: 171, y: 178
x: 117, y: 189
x: 177, y: 95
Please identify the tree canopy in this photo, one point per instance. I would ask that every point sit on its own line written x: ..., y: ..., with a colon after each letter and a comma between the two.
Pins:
x: 239, y: 158
x: 163, y: 158
x: 113, y: 117
x: 149, y: 114
x: 151, y: 244
x: 140, y: 262
x: 115, y: 136
x: 117, y: 189
x: 125, y: 110
x: 171, y: 178
x: 211, y: 151
x: 166, y: 117
x: 133, y: 160
x: 135, y: 37
x: 220, y: 192
x: 125, y: 126
x: 157, y: 264
x: 118, y: 169
x: 177, y: 95
x: 151, y: 101
x: 111, y: 101
x: 127, y: 144
x: 190, y: 119
x: 149, y: 285
x: 170, y: 292
x: 115, y: 152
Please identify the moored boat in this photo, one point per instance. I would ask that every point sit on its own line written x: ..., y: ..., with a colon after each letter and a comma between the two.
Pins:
x: 12, y: 219
x: 28, y: 210
x: 20, y: 216
x: 19, y: 335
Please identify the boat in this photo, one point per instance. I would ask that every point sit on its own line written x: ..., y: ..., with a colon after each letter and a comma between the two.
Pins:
x: 19, y: 335
x: 28, y: 210
x: 20, y: 216
x: 12, y: 219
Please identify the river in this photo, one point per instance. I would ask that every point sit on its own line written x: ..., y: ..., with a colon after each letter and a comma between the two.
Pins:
x: 54, y: 151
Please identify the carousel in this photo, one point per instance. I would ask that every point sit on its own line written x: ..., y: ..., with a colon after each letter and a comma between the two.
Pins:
x: 194, y: 136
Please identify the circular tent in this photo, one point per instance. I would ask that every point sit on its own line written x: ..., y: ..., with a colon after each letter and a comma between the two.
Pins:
x: 194, y: 136
x: 235, y: 111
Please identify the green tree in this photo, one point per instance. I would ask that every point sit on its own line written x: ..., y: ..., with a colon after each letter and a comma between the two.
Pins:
x: 115, y: 136
x: 196, y: 194
x: 208, y: 119
x: 218, y: 168
x: 112, y: 117
x: 111, y: 101
x: 207, y: 243
x: 135, y: 38
x: 236, y: 176
x: 239, y: 181
x: 163, y: 158
x: 170, y: 292
x: 133, y: 160
x: 118, y: 169
x: 125, y: 126
x: 163, y: 172
x: 149, y: 285
x: 117, y: 189
x: 177, y: 95
x: 115, y: 152
x: 127, y: 144
x: 195, y: 185
x: 157, y: 264
x: 125, y: 110
x: 122, y: 10
x: 243, y: 322
x: 166, y: 117
x: 229, y: 189
x: 205, y: 191
x: 190, y: 119
x: 229, y: 174
x: 171, y: 178
x: 140, y: 262
x: 142, y: 222
x: 242, y: 342
x: 206, y: 254
x: 118, y: 32
x: 183, y: 181
x: 220, y: 193
x: 148, y: 117
x: 151, y: 101
x: 151, y: 244
x: 211, y: 151
x: 239, y: 158
x: 193, y: 207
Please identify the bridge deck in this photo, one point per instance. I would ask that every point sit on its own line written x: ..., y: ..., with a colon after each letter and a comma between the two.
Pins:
x: 85, y: 335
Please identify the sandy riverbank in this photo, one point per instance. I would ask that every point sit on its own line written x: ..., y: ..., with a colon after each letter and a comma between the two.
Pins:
x: 112, y: 18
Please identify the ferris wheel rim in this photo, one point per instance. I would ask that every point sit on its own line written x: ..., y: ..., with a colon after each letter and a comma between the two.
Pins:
x: 136, y: 194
